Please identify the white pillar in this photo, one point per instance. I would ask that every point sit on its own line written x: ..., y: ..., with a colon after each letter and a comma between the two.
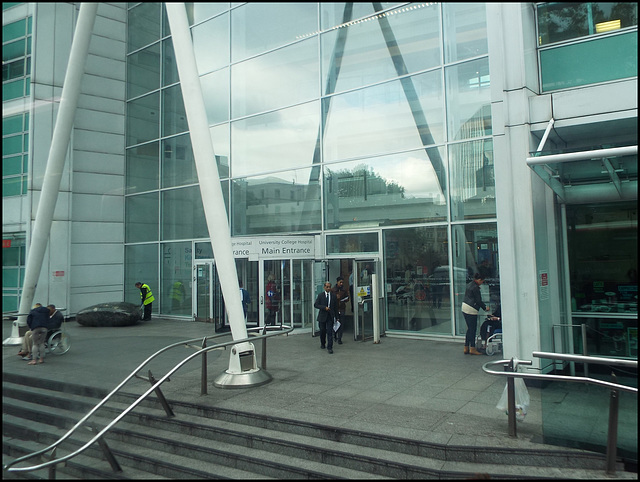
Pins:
x: 210, y: 190
x: 55, y: 163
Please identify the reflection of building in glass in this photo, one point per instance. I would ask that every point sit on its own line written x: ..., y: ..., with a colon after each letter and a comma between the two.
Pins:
x: 403, y: 133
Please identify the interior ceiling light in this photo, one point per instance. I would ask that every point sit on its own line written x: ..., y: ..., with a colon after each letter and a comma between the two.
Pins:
x: 608, y: 26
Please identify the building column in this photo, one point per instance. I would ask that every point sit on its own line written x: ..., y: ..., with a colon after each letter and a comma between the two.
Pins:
x: 212, y: 198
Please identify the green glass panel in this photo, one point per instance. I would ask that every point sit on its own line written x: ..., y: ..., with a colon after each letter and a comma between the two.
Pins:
x: 10, y: 278
x: 8, y: 5
x: 573, y: 65
x: 11, y: 145
x: 13, y: 90
x: 575, y: 415
x: 13, y: 30
x: 13, y: 50
x: 11, y: 166
x: 11, y: 125
x: 9, y: 302
x: 11, y: 186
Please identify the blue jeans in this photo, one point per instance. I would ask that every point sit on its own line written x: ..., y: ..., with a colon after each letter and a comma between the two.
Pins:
x: 472, y: 325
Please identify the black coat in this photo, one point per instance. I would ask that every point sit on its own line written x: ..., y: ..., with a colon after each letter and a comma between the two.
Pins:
x: 321, y: 304
x: 472, y: 296
x: 38, y: 318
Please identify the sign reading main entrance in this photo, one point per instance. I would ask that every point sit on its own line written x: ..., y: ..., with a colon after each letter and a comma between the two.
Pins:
x: 274, y: 247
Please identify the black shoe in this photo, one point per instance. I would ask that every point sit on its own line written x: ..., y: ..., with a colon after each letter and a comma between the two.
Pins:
x: 339, y: 342
x: 330, y: 350
x: 322, y: 347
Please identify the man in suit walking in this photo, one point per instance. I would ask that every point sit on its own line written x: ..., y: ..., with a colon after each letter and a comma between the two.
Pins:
x: 327, y: 304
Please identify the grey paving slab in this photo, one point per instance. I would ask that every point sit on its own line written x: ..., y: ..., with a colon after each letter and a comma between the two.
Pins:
x: 427, y: 390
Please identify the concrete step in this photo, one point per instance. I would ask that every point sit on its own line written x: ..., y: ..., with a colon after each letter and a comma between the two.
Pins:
x: 277, y: 447
x: 138, y: 443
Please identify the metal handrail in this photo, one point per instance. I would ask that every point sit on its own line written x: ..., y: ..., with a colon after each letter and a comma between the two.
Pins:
x: 510, y: 371
x: 9, y: 467
x: 566, y: 378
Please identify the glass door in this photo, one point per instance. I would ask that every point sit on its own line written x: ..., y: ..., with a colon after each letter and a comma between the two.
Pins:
x: 362, y: 291
x: 209, y: 304
x: 275, y: 299
x: 302, y: 293
x: 203, y: 309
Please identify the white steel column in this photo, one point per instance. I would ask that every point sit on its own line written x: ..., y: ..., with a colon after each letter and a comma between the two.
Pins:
x: 55, y: 163
x: 238, y: 373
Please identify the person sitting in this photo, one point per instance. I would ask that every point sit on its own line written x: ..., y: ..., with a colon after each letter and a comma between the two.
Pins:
x: 490, y: 325
x: 25, y: 351
x: 55, y: 318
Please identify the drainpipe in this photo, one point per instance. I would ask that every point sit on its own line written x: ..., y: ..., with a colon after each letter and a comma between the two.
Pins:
x: 55, y: 163
x: 243, y: 370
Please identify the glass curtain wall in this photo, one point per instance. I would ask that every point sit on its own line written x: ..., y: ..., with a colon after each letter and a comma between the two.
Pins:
x: 324, y: 117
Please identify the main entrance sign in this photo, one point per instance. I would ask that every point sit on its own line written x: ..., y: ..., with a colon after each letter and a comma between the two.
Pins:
x: 273, y: 247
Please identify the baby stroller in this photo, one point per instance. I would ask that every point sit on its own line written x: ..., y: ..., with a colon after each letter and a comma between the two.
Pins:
x: 491, y: 335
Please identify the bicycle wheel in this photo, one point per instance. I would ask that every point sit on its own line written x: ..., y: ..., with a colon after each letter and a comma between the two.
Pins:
x: 59, y: 343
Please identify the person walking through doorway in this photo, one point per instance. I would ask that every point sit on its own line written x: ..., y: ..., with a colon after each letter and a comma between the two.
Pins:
x: 326, y: 303
x: 470, y: 306
x: 342, y: 296
x: 147, y: 300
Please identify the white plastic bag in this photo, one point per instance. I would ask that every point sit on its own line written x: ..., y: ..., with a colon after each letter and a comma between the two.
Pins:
x: 522, y: 399
x: 336, y: 325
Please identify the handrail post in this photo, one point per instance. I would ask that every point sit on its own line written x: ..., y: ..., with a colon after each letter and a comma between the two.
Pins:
x: 612, y: 435
x: 160, y: 395
x: 52, y: 468
x: 203, y: 378
x: 511, y: 400
x: 584, y: 348
x: 108, y: 454
x: 264, y: 349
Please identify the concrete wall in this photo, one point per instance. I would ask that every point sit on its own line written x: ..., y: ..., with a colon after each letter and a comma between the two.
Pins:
x: 84, y: 263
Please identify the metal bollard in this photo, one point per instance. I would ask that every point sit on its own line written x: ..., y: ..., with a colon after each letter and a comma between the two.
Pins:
x: 264, y: 350
x: 203, y: 379
x: 612, y: 435
x: 511, y: 400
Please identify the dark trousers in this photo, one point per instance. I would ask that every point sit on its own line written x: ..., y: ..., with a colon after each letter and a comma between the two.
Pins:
x: 338, y: 334
x: 147, y: 312
x: 472, y: 325
x: 326, y: 332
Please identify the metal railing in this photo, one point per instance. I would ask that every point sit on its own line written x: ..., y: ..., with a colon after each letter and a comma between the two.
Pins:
x: 510, y: 371
x: 98, y: 437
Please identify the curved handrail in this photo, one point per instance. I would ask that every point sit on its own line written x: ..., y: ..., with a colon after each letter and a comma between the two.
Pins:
x: 9, y: 467
x: 563, y: 378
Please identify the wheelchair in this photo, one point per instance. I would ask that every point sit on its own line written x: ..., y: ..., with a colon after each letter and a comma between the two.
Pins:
x: 58, y: 341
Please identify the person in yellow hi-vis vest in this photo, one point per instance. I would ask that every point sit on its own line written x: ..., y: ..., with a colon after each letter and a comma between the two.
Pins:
x: 147, y: 299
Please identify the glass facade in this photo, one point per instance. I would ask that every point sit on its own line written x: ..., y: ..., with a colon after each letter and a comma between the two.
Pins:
x: 575, y: 37
x: 16, y: 75
x: 324, y: 117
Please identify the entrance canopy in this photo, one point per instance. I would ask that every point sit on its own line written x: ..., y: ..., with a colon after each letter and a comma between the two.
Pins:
x: 597, y: 175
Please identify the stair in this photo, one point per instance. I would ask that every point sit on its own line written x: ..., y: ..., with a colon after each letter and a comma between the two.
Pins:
x: 204, y: 442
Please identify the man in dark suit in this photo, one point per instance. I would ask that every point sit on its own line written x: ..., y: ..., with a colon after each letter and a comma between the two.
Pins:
x: 327, y: 305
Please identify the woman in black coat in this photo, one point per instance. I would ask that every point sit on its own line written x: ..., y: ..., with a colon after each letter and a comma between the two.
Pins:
x: 470, y: 306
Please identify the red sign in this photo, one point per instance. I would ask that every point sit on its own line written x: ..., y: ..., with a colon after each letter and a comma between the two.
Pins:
x: 58, y: 273
x: 6, y: 243
x: 544, y: 279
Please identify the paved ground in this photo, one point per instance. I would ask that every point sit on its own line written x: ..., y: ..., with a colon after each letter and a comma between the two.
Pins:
x: 421, y: 389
